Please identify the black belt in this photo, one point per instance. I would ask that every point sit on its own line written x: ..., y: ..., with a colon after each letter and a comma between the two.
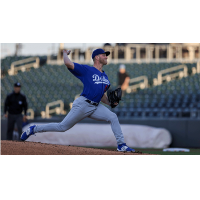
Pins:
x: 92, y: 102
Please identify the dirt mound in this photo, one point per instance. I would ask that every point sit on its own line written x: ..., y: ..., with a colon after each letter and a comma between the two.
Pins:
x: 35, y: 148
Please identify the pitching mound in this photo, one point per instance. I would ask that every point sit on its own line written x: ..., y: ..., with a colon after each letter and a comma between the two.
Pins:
x: 35, y: 148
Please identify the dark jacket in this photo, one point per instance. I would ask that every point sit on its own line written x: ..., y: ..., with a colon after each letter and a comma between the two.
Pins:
x: 121, y: 78
x: 15, y: 103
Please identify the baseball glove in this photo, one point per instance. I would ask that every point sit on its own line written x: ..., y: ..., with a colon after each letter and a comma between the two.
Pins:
x: 115, y: 97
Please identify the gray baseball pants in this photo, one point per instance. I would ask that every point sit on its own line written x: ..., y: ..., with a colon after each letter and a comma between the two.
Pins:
x: 80, y: 110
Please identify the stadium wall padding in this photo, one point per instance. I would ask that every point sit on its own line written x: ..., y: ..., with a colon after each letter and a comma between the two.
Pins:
x: 101, y: 135
x: 184, y: 132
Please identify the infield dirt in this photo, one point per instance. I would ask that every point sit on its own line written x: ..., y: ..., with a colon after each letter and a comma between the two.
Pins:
x: 35, y: 148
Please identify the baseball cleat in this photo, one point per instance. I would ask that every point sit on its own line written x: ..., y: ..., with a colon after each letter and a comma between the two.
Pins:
x: 125, y: 148
x: 26, y: 134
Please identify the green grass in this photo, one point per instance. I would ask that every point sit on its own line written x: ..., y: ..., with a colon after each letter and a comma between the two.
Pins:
x: 157, y: 151
x: 161, y: 152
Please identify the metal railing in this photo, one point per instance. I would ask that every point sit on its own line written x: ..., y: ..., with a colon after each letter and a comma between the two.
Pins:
x: 198, y: 67
x: 58, y: 110
x: 140, y: 53
x: 14, y: 69
x: 141, y: 85
x: 169, y: 77
x: 30, y: 113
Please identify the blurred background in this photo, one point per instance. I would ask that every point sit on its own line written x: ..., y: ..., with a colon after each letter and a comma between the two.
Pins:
x: 160, y: 82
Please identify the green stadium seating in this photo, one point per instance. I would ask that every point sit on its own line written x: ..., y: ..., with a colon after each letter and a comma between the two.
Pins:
x: 43, y: 85
x: 52, y: 82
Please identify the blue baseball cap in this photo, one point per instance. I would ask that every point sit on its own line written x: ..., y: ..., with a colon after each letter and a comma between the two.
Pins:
x: 100, y: 51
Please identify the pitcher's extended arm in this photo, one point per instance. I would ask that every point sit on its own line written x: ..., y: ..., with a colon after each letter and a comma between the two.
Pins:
x: 67, y: 61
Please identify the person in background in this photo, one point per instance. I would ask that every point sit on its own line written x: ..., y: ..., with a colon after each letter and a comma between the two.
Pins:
x: 16, y: 135
x: 123, y: 78
x: 15, y: 103
x: 25, y: 121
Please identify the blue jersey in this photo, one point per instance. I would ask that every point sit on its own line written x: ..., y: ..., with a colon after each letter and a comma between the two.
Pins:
x: 95, y: 83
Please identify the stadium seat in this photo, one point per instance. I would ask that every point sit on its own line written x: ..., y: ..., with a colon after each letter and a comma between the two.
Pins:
x: 178, y: 98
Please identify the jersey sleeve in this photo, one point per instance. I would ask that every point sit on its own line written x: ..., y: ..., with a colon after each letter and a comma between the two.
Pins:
x: 79, y: 70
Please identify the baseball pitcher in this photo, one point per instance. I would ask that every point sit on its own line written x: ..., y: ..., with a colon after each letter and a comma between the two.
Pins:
x: 96, y: 84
